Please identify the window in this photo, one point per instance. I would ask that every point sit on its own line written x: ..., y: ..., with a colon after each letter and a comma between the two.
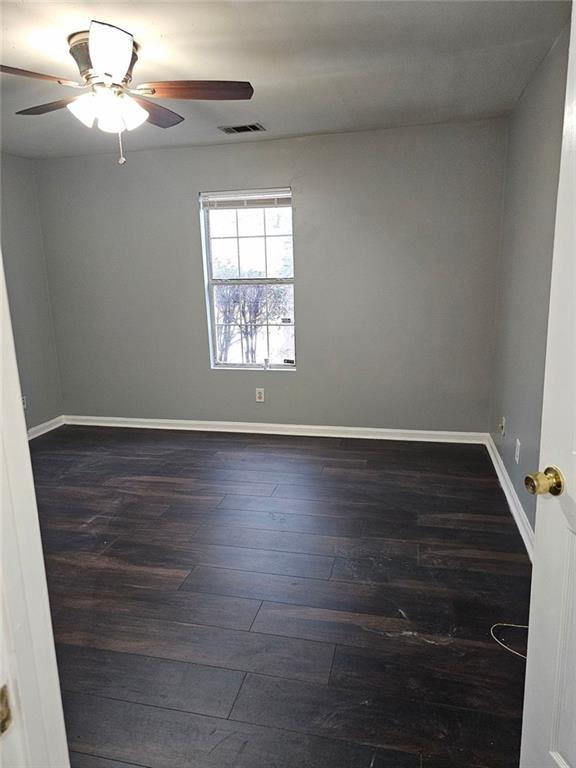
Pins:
x: 249, y: 269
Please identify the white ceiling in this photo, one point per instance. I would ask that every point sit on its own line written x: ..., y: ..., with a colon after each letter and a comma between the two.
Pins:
x: 316, y: 67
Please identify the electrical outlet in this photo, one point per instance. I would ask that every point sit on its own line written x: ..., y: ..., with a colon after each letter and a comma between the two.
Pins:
x: 24, y: 402
x: 517, y: 451
x: 502, y: 426
x: 259, y: 394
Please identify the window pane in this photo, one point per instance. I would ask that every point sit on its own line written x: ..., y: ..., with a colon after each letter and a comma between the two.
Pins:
x: 251, y: 304
x: 281, y: 340
x: 224, y: 254
x: 279, y: 256
x: 254, y: 344
x: 281, y: 304
x: 222, y: 223
x: 252, y: 258
x: 227, y: 303
x: 278, y: 221
x: 228, y: 345
x: 250, y: 222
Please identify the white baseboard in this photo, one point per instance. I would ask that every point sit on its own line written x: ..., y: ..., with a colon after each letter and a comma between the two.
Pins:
x: 305, y: 430
x: 308, y: 430
x: 46, y: 426
x: 516, y: 508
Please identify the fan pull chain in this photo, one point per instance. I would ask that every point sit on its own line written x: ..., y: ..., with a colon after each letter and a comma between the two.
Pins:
x: 121, y: 159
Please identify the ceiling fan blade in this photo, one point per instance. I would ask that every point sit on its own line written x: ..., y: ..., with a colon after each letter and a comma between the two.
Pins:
x: 158, y: 115
x: 52, y: 106
x: 110, y: 50
x: 37, y: 75
x: 199, y: 89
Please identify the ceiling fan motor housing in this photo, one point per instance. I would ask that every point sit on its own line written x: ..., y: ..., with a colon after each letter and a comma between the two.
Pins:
x: 78, y: 43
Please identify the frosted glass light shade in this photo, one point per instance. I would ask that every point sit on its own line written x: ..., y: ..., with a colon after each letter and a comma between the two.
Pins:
x: 84, y: 108
x: 132, y: 113
x: 110, y: 51
x: 115, y: 112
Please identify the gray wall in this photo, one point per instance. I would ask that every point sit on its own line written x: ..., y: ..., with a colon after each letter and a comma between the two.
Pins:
x: 396, y: 244
x: 527, y: 244
x: 23, y: 257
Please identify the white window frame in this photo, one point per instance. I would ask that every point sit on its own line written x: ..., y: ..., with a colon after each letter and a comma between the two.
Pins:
x: 281, y: 197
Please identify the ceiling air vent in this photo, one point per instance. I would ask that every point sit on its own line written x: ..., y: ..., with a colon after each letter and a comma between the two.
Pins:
x: 253, y: 128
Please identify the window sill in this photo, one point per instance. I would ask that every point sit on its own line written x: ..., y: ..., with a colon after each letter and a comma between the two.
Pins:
x: 255, y: 369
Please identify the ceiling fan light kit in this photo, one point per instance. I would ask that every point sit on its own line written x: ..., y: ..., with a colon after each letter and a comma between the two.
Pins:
x: 105, y: 56
x: 114, y: 112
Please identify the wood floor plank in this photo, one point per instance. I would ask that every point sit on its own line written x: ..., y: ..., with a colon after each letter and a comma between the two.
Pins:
x: 53, y: 467
x: 104, y: 468
x: 309, y: 465
x: 257, y: 475
x: 84, y: 570
x: 422, y: 448
x: 395, y: 464
x: 411, y: 456
x: 436, y: 761
x: 340, y: 627
x: 186, y: 607
x: 500, y: 523
x: 212, y: 646
x: 450, y: 582
x: 160, y: 738
x: 148, y: 680
x: 364, y: 670
x: 84, y: 502
x: 238, y: 558
x: 495, y: 541
x: 312, y: 506
x: 376, y: 719
x: 321, y: 450
x: 118, y: 526
x: 79, y: 760
x: 163, y: 532
x: 475, y: 558
x: 393, y: 495
x: 181, y: 486
x: 54, y: 540
x: 312, y: 544
x: 273, y: 521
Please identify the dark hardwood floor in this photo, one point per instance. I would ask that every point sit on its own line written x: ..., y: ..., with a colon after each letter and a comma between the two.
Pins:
x: 249, y: 601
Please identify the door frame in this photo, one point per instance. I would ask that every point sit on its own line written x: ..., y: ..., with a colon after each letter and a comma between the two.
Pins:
x: 36, y: 689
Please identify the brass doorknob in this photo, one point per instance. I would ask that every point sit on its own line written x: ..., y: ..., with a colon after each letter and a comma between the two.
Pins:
x: 550, y: 481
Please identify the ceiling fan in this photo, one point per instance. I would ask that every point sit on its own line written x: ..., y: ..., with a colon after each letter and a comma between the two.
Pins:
x: 106, y: 56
